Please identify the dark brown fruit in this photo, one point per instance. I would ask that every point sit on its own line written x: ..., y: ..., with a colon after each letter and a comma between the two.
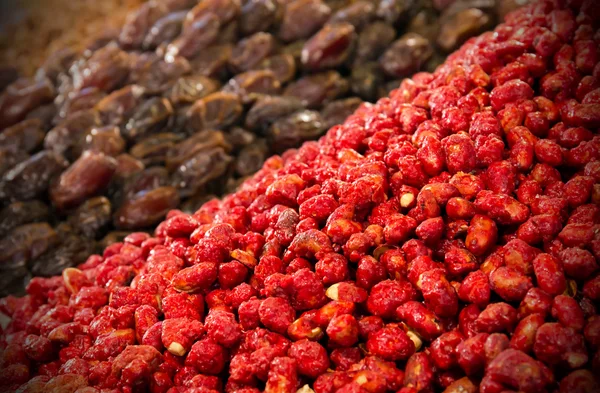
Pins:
x: 199, y: 169
x: 296, y: 128
x: 20, y: 213
x: 106, y: 140
x: 86, y: 177
x: 193, y: 39
x: 337, y: 111
x: 148, y: 118
x: 189, y: 89
x: 406, y: 55
x: 119, y: 104
x: 269, y: 109
x: 72, y: 251
x: 139, y: 22
x: 317, y: 89
x: 251, y: 51
x: 27, y: 136
x: 31, y: 178
x: 394, y: 11
x: 164, y: 30
x: 106, y: 69
x: 366, y: 80
x: 147, y: 208
x: 302, y: 18
x: 225, y: 10
x: 257, y: 15
x: 457, y: 27
x: 70, y: 133
x: 153, y: 149
x: 92, y: 217
x: 212, y: 61
x: 251, y: 85
x: 202, y: 141
x: 358, y: 14
x: 215, y: 111
x: 26, y: 243
x: 22, y: 96
x: 373, y: 40
x: 251, y: 158
x: 329, y: 47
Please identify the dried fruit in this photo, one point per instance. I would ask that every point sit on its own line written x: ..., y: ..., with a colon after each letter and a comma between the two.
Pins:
x: 405, y: 234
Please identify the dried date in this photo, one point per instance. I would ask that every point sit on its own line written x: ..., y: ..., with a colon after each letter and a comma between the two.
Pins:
x: 202, y: 141
x: 86, y: 177
x: 26, y: 136
x: 257, y: 16
x: 106, y: 69
x: 329, y: 47
x: 26, y: 243
x: 8, y: 74
x: 71, y: 251
x: 149, y: 117
x: 251, y: 158
x: 406, y: 55
x: 139, y: 22
x: 318, y: 89
x: 9, y: 158
x: 92, y: 217
x: 394, y: 11
x: 146, y: 180
x: 215, y: 111
x: 22, y: 96
x: 105, y: 140
x: 31, y: 177
x: 189, y: 89
x: 358, y: 14
x: 154, y: 74
x: 366, y: 80
x: 201, y: 33
x: 294, y: 129
x: 302, y: 18
x: 146, y: 209
x: 212, y: 61
x: 266, y: 110
x: 225, y: 10
x: 373, y: 40
x: 20, y: 213
x: 118, y: 105
x: 282, y: 65
x: 250, y: 51
x: 199, y: 169
x: 456, y: 28
x: 337, y: 111
x: 153, y: 150
x: 164, y: 30
x: 70, y: 133
x: 251, y: 85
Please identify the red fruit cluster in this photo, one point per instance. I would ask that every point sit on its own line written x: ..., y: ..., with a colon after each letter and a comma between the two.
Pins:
x: 443, y: 239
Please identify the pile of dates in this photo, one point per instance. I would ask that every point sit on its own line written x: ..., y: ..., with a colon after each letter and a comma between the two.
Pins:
x: 185, y: 102
x: 444, y: 239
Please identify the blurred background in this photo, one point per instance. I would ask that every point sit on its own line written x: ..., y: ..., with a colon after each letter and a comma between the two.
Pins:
x: 31, y: 29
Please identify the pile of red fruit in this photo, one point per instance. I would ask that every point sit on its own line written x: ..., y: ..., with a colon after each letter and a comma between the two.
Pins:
x: 444, y: 239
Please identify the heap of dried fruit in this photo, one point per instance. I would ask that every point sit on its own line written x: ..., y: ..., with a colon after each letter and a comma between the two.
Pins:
x: 443, y: 239
x: 185, y: 102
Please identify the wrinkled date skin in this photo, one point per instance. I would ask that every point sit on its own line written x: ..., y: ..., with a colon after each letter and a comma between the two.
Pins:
x: 444, y: 238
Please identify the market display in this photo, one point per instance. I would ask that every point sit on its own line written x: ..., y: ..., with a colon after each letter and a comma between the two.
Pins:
x: 442, y: 239
x: 186, y: 101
